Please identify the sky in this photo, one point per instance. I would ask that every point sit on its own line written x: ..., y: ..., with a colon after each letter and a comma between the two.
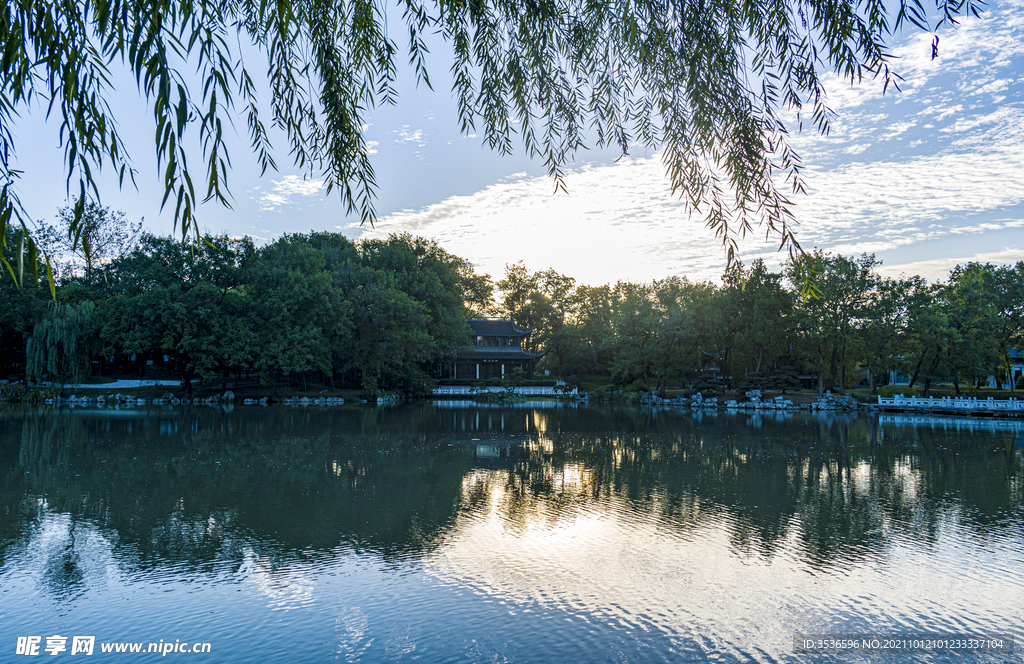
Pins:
x: 924, y: 178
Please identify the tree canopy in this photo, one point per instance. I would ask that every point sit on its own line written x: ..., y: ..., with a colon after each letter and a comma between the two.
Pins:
x: 707, y: 82
x: 387, y: 314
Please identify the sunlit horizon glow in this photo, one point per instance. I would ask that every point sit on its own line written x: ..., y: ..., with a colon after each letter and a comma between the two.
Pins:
x: 926, y: 178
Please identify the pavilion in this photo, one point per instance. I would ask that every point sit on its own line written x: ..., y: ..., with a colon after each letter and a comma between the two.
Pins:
x: 496, y: 348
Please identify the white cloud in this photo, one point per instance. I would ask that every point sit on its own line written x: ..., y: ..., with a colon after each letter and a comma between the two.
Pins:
x: 898, y: 128
x: 621, y: 221
x: 993, y: 87
x: 937, y: 269
x: 405, y: 135
x: 284, y: 190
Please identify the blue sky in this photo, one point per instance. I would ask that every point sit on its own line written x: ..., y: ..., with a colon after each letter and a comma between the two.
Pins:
x: 925, y: 178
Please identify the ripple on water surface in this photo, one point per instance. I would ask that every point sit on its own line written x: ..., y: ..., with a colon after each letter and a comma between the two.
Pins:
x: 437, y: 535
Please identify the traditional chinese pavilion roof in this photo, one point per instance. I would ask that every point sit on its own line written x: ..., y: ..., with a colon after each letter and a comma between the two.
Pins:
x: 496, y: 328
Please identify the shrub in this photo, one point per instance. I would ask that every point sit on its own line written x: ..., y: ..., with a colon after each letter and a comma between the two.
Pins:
x: 14, y: 393
x: 888, y: 391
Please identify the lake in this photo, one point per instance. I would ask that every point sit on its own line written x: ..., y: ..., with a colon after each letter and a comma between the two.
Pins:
x: 539, y: 532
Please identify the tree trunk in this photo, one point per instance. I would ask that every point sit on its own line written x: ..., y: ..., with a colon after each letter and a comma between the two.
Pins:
x: 931, y: 371
x: 917, y: 370
x: 821, y: 368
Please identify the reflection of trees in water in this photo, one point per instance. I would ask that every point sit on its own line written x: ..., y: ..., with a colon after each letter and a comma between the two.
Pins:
x: 196, y: 487
x: 63, y: 578
x: 836, y: 483
x: 199, y: 486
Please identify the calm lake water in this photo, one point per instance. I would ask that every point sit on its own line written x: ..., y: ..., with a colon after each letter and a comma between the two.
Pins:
x: 457, y: 532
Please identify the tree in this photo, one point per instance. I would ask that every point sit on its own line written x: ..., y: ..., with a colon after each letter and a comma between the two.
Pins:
x: 185, y: 302
x: 759, y: 316
x: 390, y: 344
x: 302, y: 316
x: 57, y: 349
x: 540, y: 301
x: 100, y: 236
x: 889, y: 318
x: 829, y: 322
x: 435, y: 279
x: 20, y: 307
x: 982, y: 317
x: 708, y: 82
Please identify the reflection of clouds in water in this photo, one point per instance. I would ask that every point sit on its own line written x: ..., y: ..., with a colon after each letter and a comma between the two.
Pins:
x: 353, y: 628
x: 603, y: 558
x: 63, y: 557
x: 289, y: 587
x: 583, y: 538
x: 63, y: 576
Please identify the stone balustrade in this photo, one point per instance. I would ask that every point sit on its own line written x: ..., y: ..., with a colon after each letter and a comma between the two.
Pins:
x: 951, y: 403
x: 525, y: 390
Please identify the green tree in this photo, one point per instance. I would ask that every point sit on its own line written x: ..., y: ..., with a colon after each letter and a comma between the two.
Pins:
x: 982, y: 318
x: 759, y: 315
x: 1009, y: 330
x: 828, y: 323
x: 20, y: 307
x: 591, y: 312
x: 186, y: 302
x: 889, y: 320
x: 540, y: 301
x: 435, y: 279
x: 928, y: 335
x: 57, y: 351
x: 706, y: 82
x: 303, y: 318
x: 99, y: 236
x: 390, y: 346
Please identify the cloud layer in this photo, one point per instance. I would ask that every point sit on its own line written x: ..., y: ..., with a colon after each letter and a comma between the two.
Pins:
x: 944, y: 158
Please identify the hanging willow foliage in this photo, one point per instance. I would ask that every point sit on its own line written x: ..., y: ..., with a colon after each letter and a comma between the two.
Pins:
x: 706, y: 81
x: 55, y: 349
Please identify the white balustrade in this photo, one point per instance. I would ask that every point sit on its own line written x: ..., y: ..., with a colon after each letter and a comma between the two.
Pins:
x: 525, y: 390
x: 952, y: 403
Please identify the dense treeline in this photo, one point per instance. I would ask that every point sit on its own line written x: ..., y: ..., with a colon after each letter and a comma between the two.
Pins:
x: 759, y: 329
x: 382, y: 314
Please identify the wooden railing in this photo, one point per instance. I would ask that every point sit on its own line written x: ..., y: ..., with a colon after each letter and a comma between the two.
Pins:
x: 951, y: 403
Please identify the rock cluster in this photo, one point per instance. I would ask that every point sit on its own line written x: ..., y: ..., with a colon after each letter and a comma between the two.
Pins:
x: 315, y: 401
x: 829, y: 401
x: 754, y: 402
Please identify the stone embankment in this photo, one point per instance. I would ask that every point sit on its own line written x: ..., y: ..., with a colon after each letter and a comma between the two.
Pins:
x: 827, y: 401
x: 227, y: 399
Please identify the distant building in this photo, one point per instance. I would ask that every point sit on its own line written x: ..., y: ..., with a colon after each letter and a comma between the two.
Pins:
x: 495, y: 349
x: 1016, y: 368
x: 1016, y: 371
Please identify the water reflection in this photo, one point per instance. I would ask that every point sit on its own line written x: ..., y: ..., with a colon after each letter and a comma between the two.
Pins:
x: 708, y: 529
